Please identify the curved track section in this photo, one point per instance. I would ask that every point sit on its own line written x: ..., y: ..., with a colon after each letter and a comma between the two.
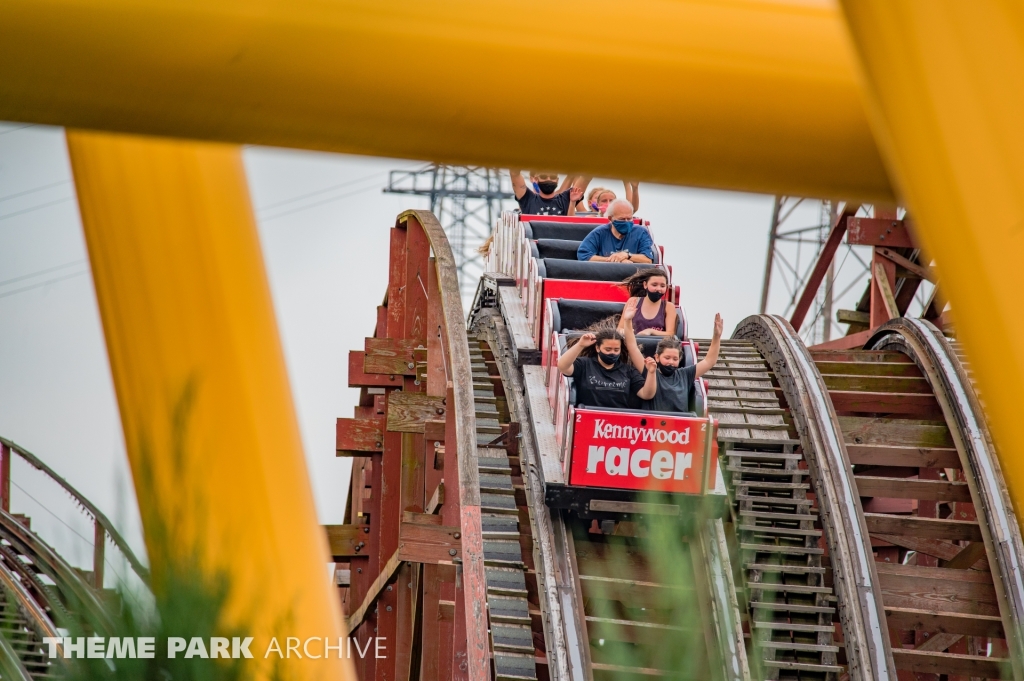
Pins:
x: 940, y: 363
x: 788, y: 492
x: 924, y: 469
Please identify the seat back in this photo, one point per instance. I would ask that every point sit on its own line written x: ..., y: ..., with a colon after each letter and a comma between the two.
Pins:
x: 550, y: 268
x: 573, y: 231
x: 575, y: 315
x: 558, y: 249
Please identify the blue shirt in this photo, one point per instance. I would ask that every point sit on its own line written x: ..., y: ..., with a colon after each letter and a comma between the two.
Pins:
x: 602, y: 242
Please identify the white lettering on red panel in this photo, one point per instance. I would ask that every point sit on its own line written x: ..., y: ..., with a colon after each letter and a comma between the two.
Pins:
x: 622, y: 450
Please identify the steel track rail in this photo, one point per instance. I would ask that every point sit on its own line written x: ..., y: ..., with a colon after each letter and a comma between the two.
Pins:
x: 955, y: 393
x: 860, y: 605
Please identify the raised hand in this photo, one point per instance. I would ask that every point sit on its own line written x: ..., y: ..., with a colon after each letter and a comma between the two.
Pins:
x: 719, y: 325
x: 575, y: 193
x: 587, y: 339
x: 650, y: 363
x: 629, y: 311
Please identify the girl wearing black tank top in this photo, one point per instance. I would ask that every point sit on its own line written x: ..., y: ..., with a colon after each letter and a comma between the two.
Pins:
x: 655, y: 315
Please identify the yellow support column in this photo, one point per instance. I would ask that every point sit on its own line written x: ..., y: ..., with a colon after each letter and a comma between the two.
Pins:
x: 944, y: 87
x: 201, y: 383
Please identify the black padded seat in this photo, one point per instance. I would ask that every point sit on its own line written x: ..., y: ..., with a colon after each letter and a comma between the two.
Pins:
x: 574, y: 315
x: 550, y: 268
x: 573, y: 231
x: 556, y: 249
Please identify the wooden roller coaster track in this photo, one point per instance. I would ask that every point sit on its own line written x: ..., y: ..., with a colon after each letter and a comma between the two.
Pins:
x: 867, y: 534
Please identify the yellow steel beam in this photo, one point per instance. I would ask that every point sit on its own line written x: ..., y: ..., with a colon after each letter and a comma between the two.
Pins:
x: 756, y: 95
x: 201, y: 383
x: 943, y: 79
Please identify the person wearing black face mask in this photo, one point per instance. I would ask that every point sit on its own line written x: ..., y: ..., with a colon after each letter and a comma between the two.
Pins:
x: 618, y: 241
x: 604, y: 381
x: 655, y: 315
x: 675, y: 383
x: 546, y: 197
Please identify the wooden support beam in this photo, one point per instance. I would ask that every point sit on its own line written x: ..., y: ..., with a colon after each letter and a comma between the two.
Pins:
x: 391, y: 355
x: 828, y: 252
x: 929, y: 528
x: 969, y: 592
x: 346, y: 541
x: 967, y: 557
x: 922, y: 272
x: 436, y: 499
x: 853, y: 317
x: 902, y: 488
x: 408, y: 412
x: 357, y: 617
x: 936, y: 619
x: 890, y: 233
x: 912, y: 404
x: 882, y: 281
x: 915, y: 457
x: 950, y: 664
x: 359, y: 437
x: 939, y: 642
x: 357, y: 378
x: 937, y: 548
x: 852, y: 342
x: 436, y: 544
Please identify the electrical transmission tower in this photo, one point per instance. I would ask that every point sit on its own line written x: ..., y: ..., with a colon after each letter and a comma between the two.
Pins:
x: 792, y: 253
x: 467, y: 201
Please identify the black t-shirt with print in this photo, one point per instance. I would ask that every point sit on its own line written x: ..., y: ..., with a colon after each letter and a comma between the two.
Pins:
x: 614, y: 388
x: 535, y: 204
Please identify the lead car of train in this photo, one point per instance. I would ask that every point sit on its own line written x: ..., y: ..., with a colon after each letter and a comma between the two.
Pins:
x: 596, y: 462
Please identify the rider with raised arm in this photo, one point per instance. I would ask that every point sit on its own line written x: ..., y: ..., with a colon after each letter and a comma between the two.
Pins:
x: 655, y: 316
x: 604, y: 381
x: 619, y: 240
x: 674, y: 382
x: 550, y: 198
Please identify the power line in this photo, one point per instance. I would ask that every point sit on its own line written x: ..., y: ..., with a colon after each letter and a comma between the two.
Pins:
x: 44, y: 271
x: 318, y: 203
x: 39, y: 207
x: 262, y: 209
x: 32, y: 191
x: 43, y: 283
x: 20, y: 127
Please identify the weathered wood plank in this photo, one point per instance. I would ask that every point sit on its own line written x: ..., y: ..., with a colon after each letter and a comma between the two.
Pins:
x: 913, y: 404
x: 952, y: 664
x: 868, y: 383
x: 838, y: 368
x: 941, y: 621
x: 915, y: 457
x: 878, y: 232
x: 391, y: 356
x: 937, y: 548
x: 344, y: 540
x: 408, y: 412
x: 419, y: 543
x: 357, y: 378
x: 359, y: 437
x: 864, y: 430
x: 436, y: 499
x: 634, y: 593
x: 968, y: 592
x: 874, y: 357
x: 931, y: 528
x: 904, y: 488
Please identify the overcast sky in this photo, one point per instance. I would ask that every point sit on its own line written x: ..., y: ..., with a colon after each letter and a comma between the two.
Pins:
x: 324, y: 223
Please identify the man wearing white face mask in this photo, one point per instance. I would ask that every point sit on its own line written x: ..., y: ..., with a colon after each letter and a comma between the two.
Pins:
x: 618, y: 241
